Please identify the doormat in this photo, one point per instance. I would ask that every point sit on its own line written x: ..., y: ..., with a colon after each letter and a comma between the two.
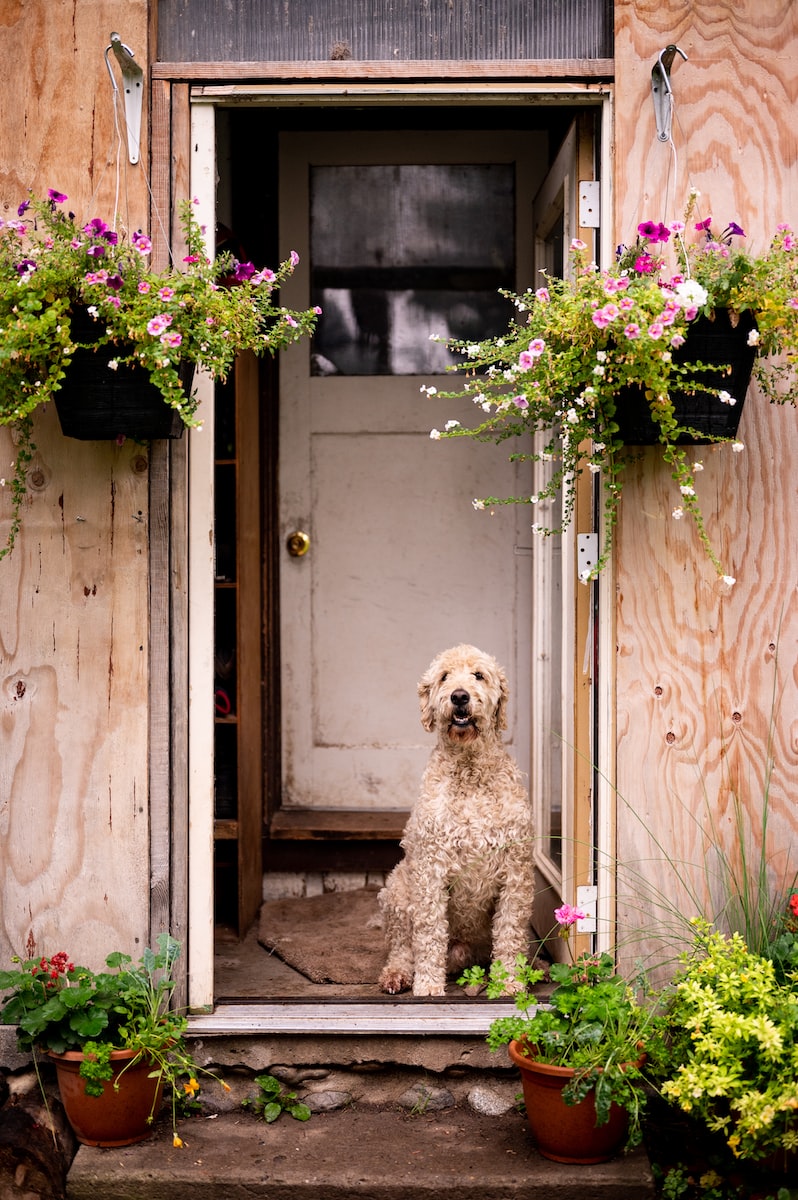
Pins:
x: 330, y: 938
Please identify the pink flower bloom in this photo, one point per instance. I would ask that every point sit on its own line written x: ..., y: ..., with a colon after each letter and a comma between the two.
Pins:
x: 294, y: 258
x: 677, y: 340
x: 143, y: 287
x: 542, y: 294
x: 172, y: 339
x: 158, y: 324
x: 317, y: 309
x: 568, y: 915
x: 141, y: 242
x: 792, y: 302
x: 625, y: 303
x: 600, y: 319
x: 632, y: 330
x: 656, y: 330
x: 520, y: 402
x: 166, y: 293
x: 789, y: 241
x: 578, y: 244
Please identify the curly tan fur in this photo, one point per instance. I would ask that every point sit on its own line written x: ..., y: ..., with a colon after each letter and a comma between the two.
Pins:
x: 464, y: 888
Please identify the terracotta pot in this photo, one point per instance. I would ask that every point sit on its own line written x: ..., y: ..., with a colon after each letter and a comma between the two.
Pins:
x: 98, y: 403
x: 563, y: 1132
x: 117, y: 1118
x: 716, y: 342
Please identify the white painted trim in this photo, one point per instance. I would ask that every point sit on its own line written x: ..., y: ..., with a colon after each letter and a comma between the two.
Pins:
x: 605, y: 750
x: 200, y: 615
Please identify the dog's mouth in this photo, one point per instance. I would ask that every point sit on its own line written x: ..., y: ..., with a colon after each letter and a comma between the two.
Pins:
x: 462, y: 726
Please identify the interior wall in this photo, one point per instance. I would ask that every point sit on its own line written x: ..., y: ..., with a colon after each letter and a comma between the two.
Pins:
x: 707, y: 689
x: 74, y: 634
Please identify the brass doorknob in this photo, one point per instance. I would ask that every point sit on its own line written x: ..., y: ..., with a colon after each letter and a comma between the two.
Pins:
x: 298, y: 543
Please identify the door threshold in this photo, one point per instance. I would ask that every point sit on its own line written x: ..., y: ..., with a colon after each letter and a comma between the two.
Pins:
x: 399, y: 1018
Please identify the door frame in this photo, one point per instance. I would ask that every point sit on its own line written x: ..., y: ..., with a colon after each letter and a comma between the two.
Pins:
x: 204, y: 102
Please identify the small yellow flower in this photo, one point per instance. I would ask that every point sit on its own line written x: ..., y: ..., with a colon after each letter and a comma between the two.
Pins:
x: 177, y: 1142
x: 225, y: 1086
x: 191, y: 1087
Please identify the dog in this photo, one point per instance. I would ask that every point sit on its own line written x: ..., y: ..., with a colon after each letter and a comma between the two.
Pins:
x: 463, y: 890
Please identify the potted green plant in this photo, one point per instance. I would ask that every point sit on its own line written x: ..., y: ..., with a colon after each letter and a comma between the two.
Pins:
x: 581, y: 1054
x: 112, y: 1036
x: 606, y: 350
x: 730, y: 1035
x: 84, y: 297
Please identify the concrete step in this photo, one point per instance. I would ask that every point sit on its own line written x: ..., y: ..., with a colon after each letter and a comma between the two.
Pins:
x: 358, y: 1153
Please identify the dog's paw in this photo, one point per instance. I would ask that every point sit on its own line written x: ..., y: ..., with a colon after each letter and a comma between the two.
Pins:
x: 394, y: 982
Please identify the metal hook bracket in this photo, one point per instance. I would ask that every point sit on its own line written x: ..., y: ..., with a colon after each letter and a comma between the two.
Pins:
x: 662, y: 92
x: 133, y: 79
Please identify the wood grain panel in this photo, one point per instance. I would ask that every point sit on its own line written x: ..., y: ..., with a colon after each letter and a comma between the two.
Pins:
x: 74, y: 861
x: 706, y: 675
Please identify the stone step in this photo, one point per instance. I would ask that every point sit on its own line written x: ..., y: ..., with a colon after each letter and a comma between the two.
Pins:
x: 358, y: 1153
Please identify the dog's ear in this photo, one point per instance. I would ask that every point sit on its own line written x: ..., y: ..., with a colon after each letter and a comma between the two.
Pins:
x: 500, y: 716
x: 424, y: 693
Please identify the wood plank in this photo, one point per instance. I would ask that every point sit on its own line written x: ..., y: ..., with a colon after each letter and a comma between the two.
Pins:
x: 350, y: 70
x: 321, y: 824
x: 413, y: 1019
x: 705, y: 674
x: 249, y: 644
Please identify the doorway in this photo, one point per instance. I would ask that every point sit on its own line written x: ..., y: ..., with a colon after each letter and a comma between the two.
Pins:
x: 394, y: 569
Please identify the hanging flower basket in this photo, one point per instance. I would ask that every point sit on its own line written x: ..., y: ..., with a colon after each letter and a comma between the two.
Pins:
x: 716, y: 341
x: 99, y: 401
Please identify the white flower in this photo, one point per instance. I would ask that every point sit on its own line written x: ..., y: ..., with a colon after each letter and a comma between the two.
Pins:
x: 753, y: 337
x: 435, y: 434
x: 534, y: 499
x: 584, y: 575
x: 698, y: 465
x: 690, y: 293
x: 594, y: 468
x: 537, y: 528
x: 738, y: 447
x: 599, y: 446
x: 473, y: 350
x: 451, y: 424
x: 92, y: 310
x: 729, y: 580
x: 686, y: 490
x: 572, y: 415
x: 2, y: 483
x: 726, y: 398
x: 599, y: 370
x: 113, y: 364
x: 678, y: 513
x: 478, y: 505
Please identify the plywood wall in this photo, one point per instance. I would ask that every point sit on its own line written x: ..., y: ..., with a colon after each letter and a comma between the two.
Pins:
x: 707, y: 681
x: 74, y: 625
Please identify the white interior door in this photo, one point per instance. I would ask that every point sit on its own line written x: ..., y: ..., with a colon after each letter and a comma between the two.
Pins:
x: 399, y: 564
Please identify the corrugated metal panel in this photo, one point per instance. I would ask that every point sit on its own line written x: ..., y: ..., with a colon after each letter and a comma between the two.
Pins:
x: 380, y: 30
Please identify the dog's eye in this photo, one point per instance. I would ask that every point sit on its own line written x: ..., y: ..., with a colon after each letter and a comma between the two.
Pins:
x: 444, y: 676
x: 478, y: 675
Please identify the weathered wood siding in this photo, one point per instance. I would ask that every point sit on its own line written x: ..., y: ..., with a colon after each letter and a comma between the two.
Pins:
x: 382, y: 30
x: 74, y: 631
x: 707, y: 686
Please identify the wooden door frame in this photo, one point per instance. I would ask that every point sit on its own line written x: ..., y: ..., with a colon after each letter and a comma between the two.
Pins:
x: 193, y: 800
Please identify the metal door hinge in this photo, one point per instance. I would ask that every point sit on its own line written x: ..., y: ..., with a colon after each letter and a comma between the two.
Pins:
x: 589, y: 203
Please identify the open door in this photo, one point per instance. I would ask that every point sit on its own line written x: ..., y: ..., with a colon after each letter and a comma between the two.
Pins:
x: 564, y: 665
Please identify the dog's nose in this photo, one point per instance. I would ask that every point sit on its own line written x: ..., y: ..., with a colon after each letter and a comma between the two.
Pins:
x: 460, y: 698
